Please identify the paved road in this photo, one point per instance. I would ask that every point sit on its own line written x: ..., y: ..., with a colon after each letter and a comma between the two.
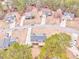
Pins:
x: 65, y: 29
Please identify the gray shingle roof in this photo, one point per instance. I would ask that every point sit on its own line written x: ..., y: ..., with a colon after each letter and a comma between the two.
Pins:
x: 6, y: 42
x: 38, y: 38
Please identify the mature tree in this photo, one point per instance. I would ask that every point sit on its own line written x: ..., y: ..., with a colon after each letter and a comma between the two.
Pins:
x: 17, y: 51
x: 20, y: 5
x: 55, y: 46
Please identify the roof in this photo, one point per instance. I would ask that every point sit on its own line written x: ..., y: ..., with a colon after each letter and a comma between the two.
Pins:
x: 69, y: 14
x: 38, y: 38
x: 6, y: 42
x: 29, y: 15
x: 47, y: 12
x: 10, y: 18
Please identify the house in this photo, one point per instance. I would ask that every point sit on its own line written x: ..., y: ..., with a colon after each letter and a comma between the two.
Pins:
x: 47, y: 12
x: 38, y: 38
x: 68, y: 16
x: 6, y: 42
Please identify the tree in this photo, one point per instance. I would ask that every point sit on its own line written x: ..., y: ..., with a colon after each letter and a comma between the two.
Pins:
x: 52, y: 4
x: 17, y: 51
x: 20, y: 5
x: 55, y: 46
